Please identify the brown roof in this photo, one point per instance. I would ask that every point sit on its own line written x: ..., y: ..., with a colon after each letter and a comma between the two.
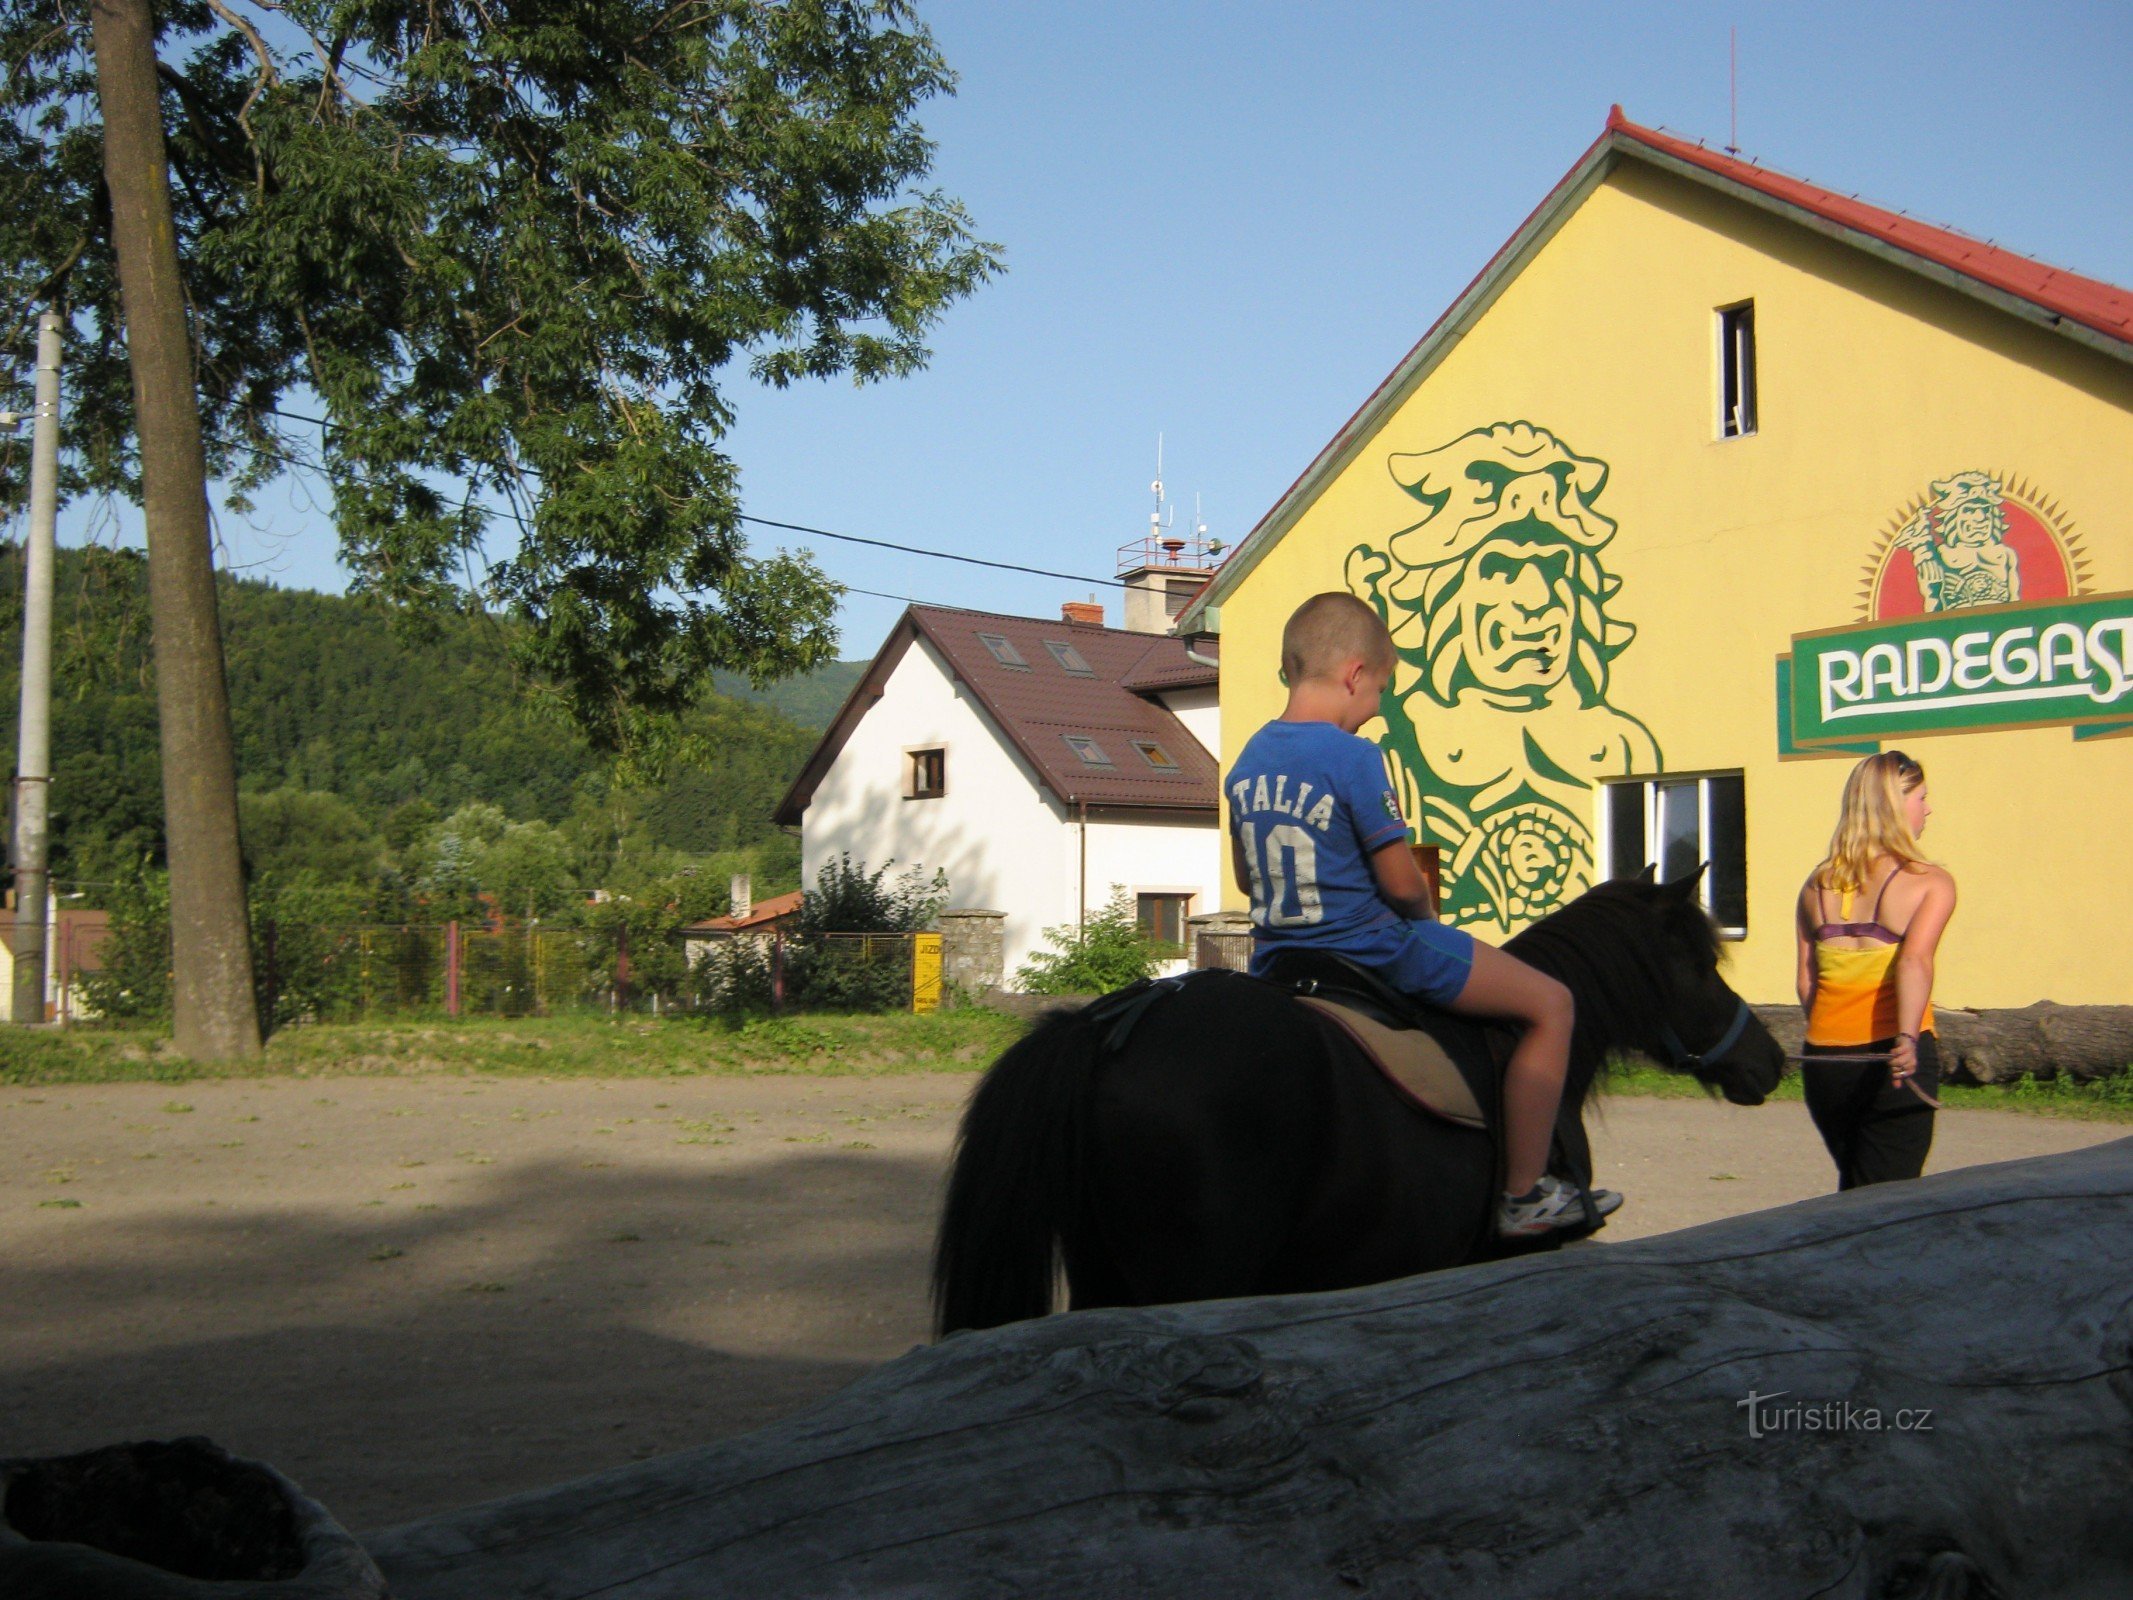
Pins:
x: 76, y: 943
x: 1169, y: 668
x: 761, y: 915
x: 1039, y: 704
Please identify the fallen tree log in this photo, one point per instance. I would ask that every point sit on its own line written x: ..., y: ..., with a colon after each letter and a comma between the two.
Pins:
x: 1945, y: 1373
x: 2045, y: 1040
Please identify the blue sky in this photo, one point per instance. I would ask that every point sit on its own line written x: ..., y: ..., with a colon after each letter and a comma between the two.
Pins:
x: 1226, y: 222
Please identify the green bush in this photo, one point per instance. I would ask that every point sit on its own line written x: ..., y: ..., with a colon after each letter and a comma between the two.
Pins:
x: 1106, y: 952
x: 134, y: 984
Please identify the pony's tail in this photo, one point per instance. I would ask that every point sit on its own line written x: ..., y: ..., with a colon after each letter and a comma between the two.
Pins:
x: 1015, y: 1184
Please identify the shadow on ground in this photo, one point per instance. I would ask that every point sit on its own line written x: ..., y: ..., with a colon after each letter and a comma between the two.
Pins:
x: 556, y: 1322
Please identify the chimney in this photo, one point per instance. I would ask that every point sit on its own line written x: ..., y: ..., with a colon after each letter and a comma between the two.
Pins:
x: 1084, y: 611
x: 743, y: 900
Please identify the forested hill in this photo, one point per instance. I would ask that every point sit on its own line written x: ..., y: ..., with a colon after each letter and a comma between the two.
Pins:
x: 330, y: 699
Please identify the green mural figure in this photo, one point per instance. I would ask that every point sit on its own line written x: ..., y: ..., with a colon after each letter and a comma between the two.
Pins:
x: 1497, y: 722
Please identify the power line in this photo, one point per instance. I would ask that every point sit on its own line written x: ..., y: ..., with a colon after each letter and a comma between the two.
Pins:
x: 771, y: 522
x: 938, y: 555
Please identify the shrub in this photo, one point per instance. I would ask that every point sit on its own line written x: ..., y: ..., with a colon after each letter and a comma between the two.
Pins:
x: 1106, y: 952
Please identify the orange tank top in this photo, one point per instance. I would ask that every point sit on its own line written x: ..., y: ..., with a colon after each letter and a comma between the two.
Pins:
x: 1855, y: 990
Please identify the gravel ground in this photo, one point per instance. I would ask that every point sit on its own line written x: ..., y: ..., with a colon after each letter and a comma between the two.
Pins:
x: 416, y: 1293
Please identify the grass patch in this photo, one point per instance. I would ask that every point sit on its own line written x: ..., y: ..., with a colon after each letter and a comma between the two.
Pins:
x: 2099, y: 1100
x: 961, y: 1040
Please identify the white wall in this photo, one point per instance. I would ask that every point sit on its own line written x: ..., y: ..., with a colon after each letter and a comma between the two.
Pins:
x: 1005, y: 844
x: 1201, y: 712
x: 1155, y: 858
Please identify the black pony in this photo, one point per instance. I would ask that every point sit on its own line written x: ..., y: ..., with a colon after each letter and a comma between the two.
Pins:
x: 1238, y: 1145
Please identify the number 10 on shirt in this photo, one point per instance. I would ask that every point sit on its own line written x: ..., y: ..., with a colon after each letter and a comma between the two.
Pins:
x: 1290, y: 866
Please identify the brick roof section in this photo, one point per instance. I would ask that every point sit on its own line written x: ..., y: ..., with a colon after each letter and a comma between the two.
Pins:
x: 760, y: 916
x: 1042, y: 703
x: 2104, y: 307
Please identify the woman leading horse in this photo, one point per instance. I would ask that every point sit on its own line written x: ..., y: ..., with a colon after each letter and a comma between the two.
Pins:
x: 1235, y: 1142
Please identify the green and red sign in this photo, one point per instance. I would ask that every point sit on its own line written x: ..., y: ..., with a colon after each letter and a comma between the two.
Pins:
x: 1972, y: 618
x: 2060, y: 661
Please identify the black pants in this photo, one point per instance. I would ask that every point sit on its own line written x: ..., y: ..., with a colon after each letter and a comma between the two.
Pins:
x: 1876, y: 1129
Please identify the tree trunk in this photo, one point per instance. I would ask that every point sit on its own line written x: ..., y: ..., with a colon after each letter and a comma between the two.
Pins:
x: 216, y: 1014
x: 2045, y: 1040
x: 1944, y: 1373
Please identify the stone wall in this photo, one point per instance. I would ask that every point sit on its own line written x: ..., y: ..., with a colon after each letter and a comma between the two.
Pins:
x: 972, y: 952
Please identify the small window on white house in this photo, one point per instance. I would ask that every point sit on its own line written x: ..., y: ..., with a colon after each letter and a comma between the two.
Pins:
x: 925, y: 774
x: 1155, y: 755
x: 1161, y: 917
x: 1003, y: 650
x: 1675, y: 824
x: 1736, y: 370
x: 1092, y: 754
x: 1070, y: 660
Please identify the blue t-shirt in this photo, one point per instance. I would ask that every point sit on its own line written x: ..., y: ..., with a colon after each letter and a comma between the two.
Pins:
x: 1311, y: 805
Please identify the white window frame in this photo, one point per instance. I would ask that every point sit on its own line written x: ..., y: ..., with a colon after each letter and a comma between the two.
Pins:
x: 1652, y: 783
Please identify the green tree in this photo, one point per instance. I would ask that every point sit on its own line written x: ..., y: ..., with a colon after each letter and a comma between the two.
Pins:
x: 1107, y: 952
x: 287, y: 831
x: 511, y: 253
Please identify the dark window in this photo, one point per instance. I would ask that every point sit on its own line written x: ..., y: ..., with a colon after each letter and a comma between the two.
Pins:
x: 1161, y: 917
x: 1069, y: 658
x: 1675, y: 825
x: 1003, y: 651
x: 1625, y: 830
x: 1178, y: 596
x: 1091, y: 753
x: 926, y: 775
x: 1736, y: 370
x: 1155, y: 755
x: 1726, y: 885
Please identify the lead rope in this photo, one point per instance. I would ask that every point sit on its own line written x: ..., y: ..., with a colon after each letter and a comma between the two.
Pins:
x: 1867, y: 1061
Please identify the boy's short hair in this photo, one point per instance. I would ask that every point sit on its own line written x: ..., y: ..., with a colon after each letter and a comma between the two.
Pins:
x: 1328, y: 630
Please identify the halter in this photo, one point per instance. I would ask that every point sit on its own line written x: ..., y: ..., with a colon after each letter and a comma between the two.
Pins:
x: 1680, y: 1057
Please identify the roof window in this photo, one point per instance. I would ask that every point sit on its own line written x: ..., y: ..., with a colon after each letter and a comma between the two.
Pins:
x: 1003, y: 651
x: 1070, y: 660
x: 1091, y: 753
x: 1155, y: 755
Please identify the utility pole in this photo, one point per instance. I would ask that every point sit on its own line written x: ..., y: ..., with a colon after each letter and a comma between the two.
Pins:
x: 33, y: 760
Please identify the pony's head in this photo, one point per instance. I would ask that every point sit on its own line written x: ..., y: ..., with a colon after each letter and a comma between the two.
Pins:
x: 1643, y: 959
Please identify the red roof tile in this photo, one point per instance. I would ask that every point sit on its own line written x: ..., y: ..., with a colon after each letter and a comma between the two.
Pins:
x: 761, y: 915
x: 2065, y: 297
x: 2094, y: 304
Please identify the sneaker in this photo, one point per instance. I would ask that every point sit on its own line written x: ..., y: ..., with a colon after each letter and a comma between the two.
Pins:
x: 1605, y: 1202
x: 1549, y: 1205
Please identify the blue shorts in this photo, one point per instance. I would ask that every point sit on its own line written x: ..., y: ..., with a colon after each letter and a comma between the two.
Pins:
x: 1429, y: 960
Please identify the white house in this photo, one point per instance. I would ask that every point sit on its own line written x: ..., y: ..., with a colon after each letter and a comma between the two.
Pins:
x: 1037, y: 763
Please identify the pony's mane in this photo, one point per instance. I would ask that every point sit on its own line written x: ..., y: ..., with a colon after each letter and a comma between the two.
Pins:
x: 1609, y: 947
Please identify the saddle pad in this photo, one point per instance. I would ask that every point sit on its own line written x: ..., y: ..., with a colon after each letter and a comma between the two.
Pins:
x: 1415, y: 1062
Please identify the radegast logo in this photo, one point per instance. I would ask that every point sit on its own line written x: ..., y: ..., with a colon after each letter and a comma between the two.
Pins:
x: 1974, y: 620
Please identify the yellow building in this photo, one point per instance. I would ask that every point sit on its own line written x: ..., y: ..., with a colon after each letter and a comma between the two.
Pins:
x: 1710, y: 481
